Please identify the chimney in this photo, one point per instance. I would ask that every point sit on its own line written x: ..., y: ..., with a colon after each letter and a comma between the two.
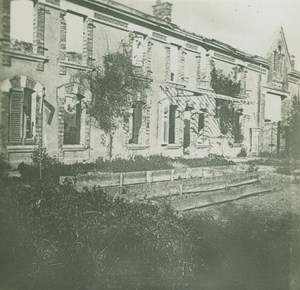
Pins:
x: 163, y: 10
x: 293, y: 61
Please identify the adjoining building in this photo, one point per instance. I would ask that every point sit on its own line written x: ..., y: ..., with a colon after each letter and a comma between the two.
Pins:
x: 184, y: 112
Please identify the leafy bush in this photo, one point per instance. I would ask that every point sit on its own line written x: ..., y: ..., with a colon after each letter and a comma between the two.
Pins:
x: 57, y: 238
x: 243, y: 153
x: 51, y: 168
x: 211, y: 160
x: 287, y: 170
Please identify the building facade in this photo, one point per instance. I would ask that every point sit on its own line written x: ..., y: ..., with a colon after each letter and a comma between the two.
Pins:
x: 43, y: 104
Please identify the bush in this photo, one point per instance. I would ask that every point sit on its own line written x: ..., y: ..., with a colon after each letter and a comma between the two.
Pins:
x: 51, y: 168
x: 211, y: 160
x: 243, y: 153
x: 58, y: 238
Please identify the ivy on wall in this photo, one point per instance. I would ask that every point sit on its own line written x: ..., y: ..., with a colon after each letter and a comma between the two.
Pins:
x: 226, y: 112
x: 228, y: 117
x: 225, y: 84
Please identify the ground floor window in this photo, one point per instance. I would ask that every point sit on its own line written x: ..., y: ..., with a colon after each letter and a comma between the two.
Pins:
x: 22, y: 112
x: 72, y: 120
x: 137, y: 114
x: 200, y: 122
x: 172, y: 123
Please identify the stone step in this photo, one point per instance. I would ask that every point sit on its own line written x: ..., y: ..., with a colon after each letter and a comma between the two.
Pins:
x: 199, y: 201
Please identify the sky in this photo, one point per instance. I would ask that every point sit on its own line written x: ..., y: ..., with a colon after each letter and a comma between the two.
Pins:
x: 249, y: 25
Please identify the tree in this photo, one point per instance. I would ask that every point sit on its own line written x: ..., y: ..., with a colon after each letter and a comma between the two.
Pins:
x: 292, y: 130
x: 114, y: 86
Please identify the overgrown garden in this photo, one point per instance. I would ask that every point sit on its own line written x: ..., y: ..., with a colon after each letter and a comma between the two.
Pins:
x: 53, y: 237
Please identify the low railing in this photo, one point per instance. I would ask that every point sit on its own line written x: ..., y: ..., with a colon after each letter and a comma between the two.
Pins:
x: 106, y: 179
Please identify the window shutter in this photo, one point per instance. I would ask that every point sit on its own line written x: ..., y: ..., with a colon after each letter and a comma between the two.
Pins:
x: 187, y: 134
x: 172, y: 124
x: 15, y: 117
x: 137, y: 122
x: 200, y: 122
x: 165, y: 125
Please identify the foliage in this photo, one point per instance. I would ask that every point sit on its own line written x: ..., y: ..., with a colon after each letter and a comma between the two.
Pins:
x: 225, y: 85
x: 243, y: 153
x: 227, y: 113
x: 4, y: 166
x: 51, y: 168
x: 211, y: 160
x: 229, y: 122
x: 58, y: 238
x: 113, y: 86
x: 292, y: 131
x: 241, y: 249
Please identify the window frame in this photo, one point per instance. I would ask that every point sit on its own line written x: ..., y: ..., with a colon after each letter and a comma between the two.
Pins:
x: 18, y: 40
x: 23, y: 126
x: 83, y: 17
x: 82, y: 117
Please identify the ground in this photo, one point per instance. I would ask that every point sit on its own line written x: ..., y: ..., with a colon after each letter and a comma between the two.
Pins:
x: 270, y: 252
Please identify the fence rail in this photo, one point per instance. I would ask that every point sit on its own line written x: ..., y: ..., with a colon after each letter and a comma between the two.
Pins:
x: 207, y: 176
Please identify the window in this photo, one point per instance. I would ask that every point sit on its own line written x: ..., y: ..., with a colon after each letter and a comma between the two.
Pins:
x: 74, y: 33
x: 172, y: 119
x: 200, y: 122
x: 72, y: 120
x: 136, y: 122
x: 273, y: 108
x: 169, y: 124
x: 22, y: 114
x: 173, y: 63
x: 138, y: 51
x: 21, y: 20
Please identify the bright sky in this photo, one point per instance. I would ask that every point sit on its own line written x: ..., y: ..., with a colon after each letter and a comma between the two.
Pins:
x: 249, y: 25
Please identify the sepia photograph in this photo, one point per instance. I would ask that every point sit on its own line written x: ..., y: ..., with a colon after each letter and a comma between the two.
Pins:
x: 149, y: 144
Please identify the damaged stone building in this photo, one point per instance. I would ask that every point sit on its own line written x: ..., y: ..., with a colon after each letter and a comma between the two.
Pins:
x: 42, y: 105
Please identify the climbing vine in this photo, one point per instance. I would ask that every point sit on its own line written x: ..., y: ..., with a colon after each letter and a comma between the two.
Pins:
x: 225, y: 84
x: 229, y: 119
x: 226, y: 112
x: 114, y: 85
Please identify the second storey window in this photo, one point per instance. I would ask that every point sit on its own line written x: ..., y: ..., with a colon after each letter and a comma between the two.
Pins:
x: 173, y: 63
x: 21, y: 20
x: 74, y: 33
x: 138, y: 51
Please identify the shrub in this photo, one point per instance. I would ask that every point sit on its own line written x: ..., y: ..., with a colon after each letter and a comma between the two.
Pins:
x: 243, y: 153
x: 58, y: 238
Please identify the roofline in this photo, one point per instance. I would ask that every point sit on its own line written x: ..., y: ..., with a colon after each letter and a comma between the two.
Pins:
x: 171, y: 28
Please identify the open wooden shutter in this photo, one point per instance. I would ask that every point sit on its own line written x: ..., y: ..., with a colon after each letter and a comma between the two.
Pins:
x: 137, y: 122
x: 15, y: 116
x: 172, y: 117
x: 200, y: 122
x: 165, y: 125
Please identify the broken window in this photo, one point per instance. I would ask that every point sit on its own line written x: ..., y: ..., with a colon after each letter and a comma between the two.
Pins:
x: 173, y: 63
x: 72, y: 120
x: 21, y: 20
x: 74, y: 33
x: 138, y: 51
